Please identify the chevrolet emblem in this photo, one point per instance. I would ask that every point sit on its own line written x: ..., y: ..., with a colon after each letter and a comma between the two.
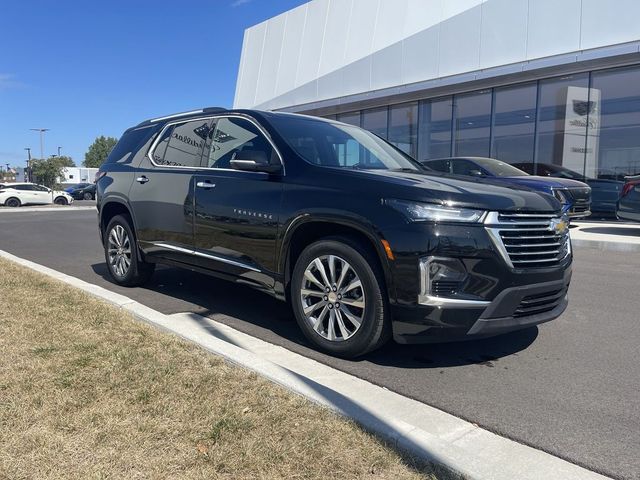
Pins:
x: 558, y: 226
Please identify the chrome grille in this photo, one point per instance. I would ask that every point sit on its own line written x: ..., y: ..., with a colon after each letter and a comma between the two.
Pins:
x: 529, y: 240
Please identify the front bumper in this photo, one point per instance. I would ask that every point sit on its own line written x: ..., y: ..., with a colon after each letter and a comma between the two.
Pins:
x: 513, y: 309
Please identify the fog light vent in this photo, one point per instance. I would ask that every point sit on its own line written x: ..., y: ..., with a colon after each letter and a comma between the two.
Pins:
x: 440, y: 277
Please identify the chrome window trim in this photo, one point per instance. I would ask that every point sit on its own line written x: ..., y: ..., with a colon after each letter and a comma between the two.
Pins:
x: 211, y: 117
x: 196, y: 253
x: 176, y: 115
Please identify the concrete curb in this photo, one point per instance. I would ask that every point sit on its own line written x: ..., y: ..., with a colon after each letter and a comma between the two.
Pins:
x: 423, y: 431
x: 46, y: 209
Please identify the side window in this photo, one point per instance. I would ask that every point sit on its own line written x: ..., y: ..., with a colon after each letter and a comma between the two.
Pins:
x: 28, y: 188
x: 40, y: 188
x: 439, y: 165
x: 181, y: 144
x: 465, y: 167
x: 235, y: 135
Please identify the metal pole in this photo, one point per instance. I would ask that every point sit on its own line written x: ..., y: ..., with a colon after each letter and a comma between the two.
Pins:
x: 59, y: 148
x: 41, y: 130
x: 27, y: 172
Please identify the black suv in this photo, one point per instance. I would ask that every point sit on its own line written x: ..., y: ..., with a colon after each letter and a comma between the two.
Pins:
x: 361, y: 240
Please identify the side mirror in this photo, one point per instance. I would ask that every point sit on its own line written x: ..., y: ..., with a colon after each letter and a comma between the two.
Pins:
x: 253, y: 161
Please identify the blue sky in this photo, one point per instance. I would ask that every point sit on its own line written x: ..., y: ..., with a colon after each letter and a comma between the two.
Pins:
x: 86, y: 68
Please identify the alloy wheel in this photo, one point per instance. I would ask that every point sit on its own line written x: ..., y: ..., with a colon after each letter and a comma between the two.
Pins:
x: 333, y: 299
x: 119, y: 250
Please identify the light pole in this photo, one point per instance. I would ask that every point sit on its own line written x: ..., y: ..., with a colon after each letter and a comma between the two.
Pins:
x: 59, y: 148
x: 27, y: 172
x: 41, y: 130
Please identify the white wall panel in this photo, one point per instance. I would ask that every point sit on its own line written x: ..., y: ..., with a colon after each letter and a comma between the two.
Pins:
x: 553, y: 27
x: 504, y: 32
x: 291, y: 46
x: 266, y: 88
x: 312, y: 41
x: 609, y: 22
x: 253, y: 40
x: 335, y: 36
x: 333, y: 48
x: 359, y: 32
x: 460, y: 38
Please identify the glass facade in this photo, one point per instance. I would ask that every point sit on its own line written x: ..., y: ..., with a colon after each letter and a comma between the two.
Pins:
x: 587, y: 122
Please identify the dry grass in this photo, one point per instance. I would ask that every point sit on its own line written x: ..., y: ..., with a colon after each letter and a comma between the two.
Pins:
x: 86, y: 392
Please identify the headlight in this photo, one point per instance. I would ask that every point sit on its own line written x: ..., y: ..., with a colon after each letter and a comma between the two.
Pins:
x: 561, y: 196
x: 417, y: 212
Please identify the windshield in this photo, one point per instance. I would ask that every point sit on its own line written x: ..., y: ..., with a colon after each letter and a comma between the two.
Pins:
x: 561, y: 172
x: 498, y: 168
x: 341, y: 146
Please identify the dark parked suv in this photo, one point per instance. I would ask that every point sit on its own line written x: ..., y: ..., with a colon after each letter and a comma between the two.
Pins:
x: 361, y: 240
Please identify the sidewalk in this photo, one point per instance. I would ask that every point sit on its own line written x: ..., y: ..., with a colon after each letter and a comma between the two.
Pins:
x: 623, y: 237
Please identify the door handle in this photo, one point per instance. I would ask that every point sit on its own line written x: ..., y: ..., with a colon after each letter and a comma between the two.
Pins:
x: 205, y: 184
x: 142, y: 179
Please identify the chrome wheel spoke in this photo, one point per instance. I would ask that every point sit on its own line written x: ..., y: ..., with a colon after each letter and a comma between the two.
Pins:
x: 312, y: 308
x: 353, y: 302
x: 323, y: 273
x: 332, y: 297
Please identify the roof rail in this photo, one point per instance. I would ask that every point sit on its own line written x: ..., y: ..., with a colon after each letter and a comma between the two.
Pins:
x: 184, y: 114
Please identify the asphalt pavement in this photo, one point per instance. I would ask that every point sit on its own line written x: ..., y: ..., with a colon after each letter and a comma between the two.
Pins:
x: 570, y: 387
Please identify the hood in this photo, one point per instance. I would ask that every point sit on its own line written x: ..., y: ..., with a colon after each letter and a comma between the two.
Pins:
x: 433, y: 187
x: 543, y: 183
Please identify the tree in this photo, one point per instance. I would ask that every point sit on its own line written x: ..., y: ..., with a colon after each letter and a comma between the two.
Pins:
x: 47, y: 172
x: 98, y: 151
x: 66, y: 161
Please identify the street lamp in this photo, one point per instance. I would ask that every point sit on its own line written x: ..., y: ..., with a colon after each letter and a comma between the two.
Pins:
x: 41, y: 130
x: 27, y: 172
x: 59, y: 148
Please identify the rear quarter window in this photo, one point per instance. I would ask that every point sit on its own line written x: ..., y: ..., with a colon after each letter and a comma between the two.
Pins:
x: 129, y: 144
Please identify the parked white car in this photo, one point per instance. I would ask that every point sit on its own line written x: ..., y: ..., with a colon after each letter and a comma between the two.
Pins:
x: 18, y: 194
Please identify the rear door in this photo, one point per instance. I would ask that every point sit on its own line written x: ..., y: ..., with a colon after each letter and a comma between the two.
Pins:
x: 236, y: 212
x: 161, y: 195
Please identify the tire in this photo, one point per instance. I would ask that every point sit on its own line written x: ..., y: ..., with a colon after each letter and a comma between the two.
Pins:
x: 342, y: 304
x: 61, y: 201
x: 124, y: 261
x: 87, y: 196
x: 12, y: 202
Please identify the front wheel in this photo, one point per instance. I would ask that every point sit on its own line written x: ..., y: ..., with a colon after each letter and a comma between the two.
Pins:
x: 60, y: 201
x: 124, y: 261
x: 338, y: 298
x: 87, y: 196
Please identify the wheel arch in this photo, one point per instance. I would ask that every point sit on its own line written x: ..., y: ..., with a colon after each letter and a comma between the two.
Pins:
x: 306, y: 229
x: 110, y: 209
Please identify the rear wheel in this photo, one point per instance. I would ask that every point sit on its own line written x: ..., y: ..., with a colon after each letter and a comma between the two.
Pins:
x: 338, y: 298
x: 124, y: 261
x: 60, y: 201
x: 12, y: 202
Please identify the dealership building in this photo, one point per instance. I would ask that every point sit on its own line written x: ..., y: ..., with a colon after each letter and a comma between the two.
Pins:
x: 551, y: 82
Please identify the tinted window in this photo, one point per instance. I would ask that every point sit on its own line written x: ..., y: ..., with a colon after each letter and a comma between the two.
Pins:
x: 29, y: 188
x: 465, y: 167
x: 375, y: 120
x: 335, y: 145
x: 129, y: 144
x: 562, y: 122
x: 234, y: 135
x: 473, y: 124
x: 352, y: 118
x: 498, y: 168
x: 614, y: 124
x: 181, y: 144
x: 436, y: 117
x: 438, y: 165
x: 514, y: 123
x: 403, y: 128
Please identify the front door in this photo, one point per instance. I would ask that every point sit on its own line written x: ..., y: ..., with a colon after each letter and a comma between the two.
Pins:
x: 237, y: 212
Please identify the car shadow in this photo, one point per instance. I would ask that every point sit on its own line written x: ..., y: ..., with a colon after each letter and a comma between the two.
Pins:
x: 245, y: 308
